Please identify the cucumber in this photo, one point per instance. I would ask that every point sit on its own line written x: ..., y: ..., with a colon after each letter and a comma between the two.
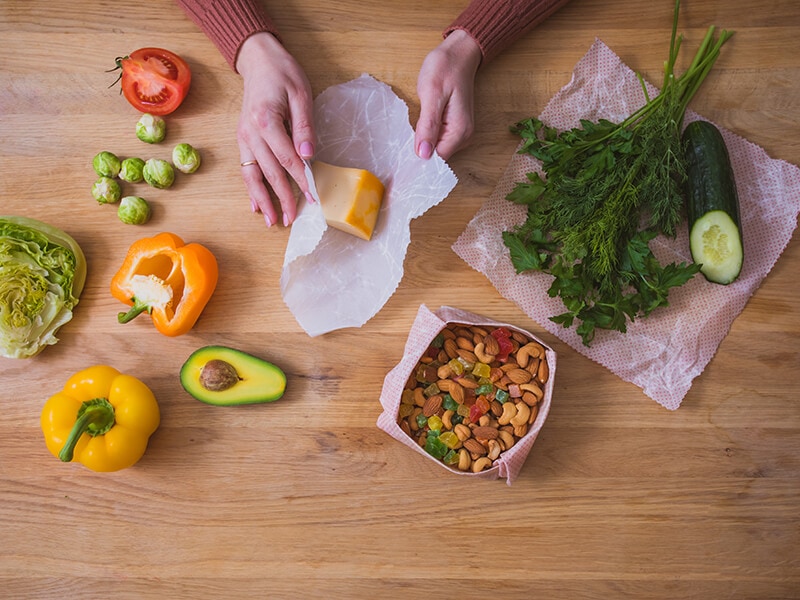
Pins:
x: 715, y: 237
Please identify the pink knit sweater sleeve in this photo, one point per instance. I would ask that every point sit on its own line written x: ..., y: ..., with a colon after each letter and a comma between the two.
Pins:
x: 495, y: 24
x: 228, y: 23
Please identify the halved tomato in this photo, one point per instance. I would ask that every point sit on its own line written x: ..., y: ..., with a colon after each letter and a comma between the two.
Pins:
x: 154, y: 80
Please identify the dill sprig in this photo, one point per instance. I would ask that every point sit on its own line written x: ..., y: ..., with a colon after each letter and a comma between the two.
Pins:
x: 610, y: 188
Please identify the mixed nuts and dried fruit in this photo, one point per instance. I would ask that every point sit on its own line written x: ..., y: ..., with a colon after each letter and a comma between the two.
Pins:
x: 474, y: 394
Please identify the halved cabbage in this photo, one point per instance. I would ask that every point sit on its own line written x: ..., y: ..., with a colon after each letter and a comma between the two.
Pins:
x: 42, y: 273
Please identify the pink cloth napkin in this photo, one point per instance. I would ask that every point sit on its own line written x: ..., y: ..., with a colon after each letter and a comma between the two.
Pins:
x: 426, y: 326
x: 663, y: 353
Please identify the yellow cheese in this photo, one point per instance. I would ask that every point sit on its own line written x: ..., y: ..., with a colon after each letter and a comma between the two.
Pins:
x: 350, y: 198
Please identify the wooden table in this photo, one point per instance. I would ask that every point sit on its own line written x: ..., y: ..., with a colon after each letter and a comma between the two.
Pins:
x: 306, y: 498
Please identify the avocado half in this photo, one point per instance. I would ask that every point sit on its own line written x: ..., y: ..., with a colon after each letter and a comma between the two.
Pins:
x: 226, y: 377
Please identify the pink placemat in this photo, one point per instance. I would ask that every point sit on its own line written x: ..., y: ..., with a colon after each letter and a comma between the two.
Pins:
x: 663, y: 353
x: 426, y: 326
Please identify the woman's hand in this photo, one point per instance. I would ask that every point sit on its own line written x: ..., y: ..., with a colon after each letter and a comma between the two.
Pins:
x: 275, y: 129
x: 446, y: 88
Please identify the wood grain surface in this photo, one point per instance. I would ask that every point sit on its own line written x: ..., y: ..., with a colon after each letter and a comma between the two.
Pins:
x: 306, y: 497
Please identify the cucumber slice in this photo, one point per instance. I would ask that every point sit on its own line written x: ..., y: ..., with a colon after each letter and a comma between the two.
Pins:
x: 716, y: 245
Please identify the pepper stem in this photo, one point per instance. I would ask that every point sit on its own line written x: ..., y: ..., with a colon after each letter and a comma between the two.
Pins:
x: 135, y: 310
x: 95, y: 417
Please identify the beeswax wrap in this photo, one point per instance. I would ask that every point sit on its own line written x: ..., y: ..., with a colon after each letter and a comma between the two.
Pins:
x: 331, y: 279
x: 426, y: 326
x: 663, y: 353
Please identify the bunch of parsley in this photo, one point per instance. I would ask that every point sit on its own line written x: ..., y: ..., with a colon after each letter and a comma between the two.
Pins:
x: 609, y: 189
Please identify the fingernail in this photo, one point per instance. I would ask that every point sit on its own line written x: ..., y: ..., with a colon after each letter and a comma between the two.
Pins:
x: 306, y: 150
x: 285, y: 220
x: 268, y: 220
x: 309, y: 198
x: 425, y: 150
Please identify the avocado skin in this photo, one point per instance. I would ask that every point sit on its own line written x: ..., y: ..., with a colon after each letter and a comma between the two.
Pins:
x: 260, y: 381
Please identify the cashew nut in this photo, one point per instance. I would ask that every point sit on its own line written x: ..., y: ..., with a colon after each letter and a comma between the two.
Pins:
x: 419, y: 397
x: 412, y: 419
x: 523, y: 412
x: 506, y: 439
x: 464, y: 460
x: 444, y: 371
x: 484, y: 462
x: 482, y: 355
x: 509, y: 412
x: 533, y: 389
x: 447, y: 419
x: 529, y: 350
x: 494, y: 450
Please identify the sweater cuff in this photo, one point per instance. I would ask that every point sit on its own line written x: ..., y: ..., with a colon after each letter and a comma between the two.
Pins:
x: 495, y: 28
x: 228, y: 23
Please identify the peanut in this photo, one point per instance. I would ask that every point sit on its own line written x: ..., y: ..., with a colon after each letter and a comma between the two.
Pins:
x: 462, y: 431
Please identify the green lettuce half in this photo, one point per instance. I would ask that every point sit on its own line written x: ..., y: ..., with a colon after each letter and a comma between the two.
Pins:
x: 42, y: 273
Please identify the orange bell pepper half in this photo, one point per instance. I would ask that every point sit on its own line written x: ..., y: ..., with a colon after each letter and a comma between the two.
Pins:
x: 168, y: 279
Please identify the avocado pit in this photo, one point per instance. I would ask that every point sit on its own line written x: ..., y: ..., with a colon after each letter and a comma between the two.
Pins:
x: 218, y: 375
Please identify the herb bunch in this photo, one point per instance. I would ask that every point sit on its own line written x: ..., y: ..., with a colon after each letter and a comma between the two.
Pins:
x: 609, y: 189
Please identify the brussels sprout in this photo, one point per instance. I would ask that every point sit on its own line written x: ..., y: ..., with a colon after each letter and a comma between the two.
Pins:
x: 131, y: 170
x: 133, y: 210
x: 158, y: 173
x: 151, y: 129
x: 106, y: 164
x: 106, y: 190
x: 185, y: 158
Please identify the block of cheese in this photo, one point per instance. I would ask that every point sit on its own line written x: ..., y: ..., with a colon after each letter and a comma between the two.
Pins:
x: 351, y: 198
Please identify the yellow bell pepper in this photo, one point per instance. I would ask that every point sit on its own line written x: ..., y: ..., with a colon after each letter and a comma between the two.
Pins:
x: 102, y: 419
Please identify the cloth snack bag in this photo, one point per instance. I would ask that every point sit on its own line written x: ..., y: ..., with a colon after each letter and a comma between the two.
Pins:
x: 426, y: 327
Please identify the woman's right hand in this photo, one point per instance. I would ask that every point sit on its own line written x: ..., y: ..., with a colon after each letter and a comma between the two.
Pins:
x: 446, y: 88
x: 276, y: 126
